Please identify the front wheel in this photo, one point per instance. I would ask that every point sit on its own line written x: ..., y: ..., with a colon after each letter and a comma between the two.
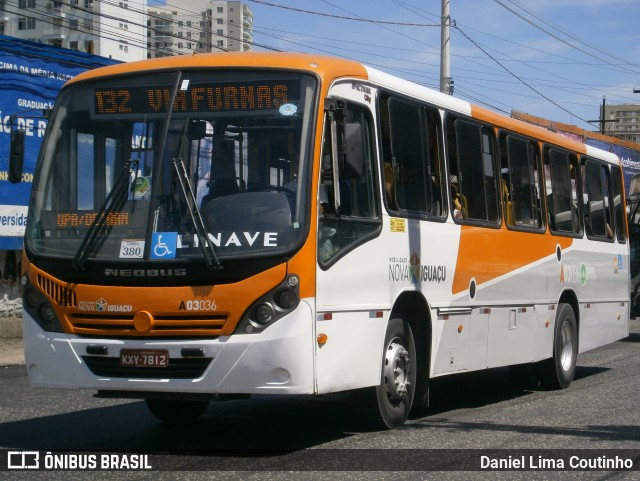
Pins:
x: 560, y: 369
x: 176, y: 411
x: 387, y: 406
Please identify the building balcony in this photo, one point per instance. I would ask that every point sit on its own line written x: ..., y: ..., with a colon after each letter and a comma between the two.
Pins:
x: 162, y: 38
x: 57, y: 9
x: 163, y: 50
x: 164, y: 28
x: 54, y: 33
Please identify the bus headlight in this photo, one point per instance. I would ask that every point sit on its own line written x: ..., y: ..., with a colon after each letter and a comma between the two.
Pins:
x: 272, y: 306
x: 47, y: 314
x: 41, y: 310
x: 32, y: 298
x: 286, y: 299
x: 264, y: 314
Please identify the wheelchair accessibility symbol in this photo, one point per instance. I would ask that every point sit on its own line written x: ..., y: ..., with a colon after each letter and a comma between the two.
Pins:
x: 164, y: 245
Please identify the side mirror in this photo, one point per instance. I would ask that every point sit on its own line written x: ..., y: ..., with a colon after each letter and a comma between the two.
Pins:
x: 16, y: 156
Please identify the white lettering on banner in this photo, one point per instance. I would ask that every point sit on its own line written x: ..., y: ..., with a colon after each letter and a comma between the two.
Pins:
x: 34, y: 104
x: 629, y: 163
x: 13, y: 220
x: 270, y: 239
x: 9, y: 66
x: 31, y: 127
x: 35, y: 72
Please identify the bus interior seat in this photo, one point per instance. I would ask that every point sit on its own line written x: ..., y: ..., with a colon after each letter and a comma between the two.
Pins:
x: 249, y: 211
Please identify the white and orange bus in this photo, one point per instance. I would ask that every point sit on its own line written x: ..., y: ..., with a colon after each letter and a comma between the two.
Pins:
x: 232, y: 224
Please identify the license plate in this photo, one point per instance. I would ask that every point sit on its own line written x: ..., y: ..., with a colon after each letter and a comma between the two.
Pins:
x: 144, y: 358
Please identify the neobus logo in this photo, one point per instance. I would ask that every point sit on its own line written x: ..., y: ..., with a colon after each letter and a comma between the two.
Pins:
x: 145, y: 272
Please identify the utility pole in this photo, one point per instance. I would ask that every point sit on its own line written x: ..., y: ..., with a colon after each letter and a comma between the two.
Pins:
x: 446, y: 83
x: 602, y: 120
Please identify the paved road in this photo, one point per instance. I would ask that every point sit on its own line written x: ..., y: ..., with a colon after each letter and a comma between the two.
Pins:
x: 472, y: 411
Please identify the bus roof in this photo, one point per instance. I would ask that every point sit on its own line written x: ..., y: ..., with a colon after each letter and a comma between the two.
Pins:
x: 323, y: 65
x: 335, y: 67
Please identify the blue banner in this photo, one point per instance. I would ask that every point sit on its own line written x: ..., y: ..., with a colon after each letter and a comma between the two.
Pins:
x: 630, y: 159
x: 31, y: 74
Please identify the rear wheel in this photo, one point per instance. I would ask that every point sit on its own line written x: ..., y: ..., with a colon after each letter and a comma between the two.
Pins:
x: 176, y: 411
x: 387, y: 406
x: 560, y: 369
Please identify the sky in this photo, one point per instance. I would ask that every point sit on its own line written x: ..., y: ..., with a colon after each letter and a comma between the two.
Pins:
x: 554, y: 59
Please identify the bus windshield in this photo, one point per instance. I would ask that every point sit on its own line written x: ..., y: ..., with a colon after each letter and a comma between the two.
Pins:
x: 109, y: 184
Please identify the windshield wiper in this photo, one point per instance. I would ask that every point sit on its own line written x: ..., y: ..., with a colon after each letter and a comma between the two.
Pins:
x: 113, y: 203
x: 196, y: 216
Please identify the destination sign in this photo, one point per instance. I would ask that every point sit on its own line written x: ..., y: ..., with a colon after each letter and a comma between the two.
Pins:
x: 196, y: 98
x: 85, y: 219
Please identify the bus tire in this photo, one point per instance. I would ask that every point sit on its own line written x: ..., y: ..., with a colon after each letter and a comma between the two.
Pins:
x: 560, y: 369
x: 387, y: 405
x: 176, y: 411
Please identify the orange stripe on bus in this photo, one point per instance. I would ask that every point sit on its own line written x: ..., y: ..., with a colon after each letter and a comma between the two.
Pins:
x: 486, y: 254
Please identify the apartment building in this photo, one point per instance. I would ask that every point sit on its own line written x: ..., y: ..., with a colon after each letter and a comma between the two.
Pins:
x: 622, y: 121
x: 199, y: 26
x: 114, y: 29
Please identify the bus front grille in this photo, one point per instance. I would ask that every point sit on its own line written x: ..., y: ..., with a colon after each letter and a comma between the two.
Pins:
x: 60, y: 294
x: 122, y: 325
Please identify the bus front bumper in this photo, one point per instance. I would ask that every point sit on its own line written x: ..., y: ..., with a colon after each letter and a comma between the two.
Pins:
x: 279, y: 360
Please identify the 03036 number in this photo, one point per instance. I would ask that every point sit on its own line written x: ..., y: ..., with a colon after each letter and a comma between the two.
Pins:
x: 198, y: 305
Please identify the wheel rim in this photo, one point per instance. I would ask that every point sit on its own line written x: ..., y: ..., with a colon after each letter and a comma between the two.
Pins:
x: 566, y: 346
x: 396, y: 371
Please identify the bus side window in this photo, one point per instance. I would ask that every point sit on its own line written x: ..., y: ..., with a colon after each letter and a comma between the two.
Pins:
x: 473, y: 173
x: 411, y: 157
x: 597, y: 214
x: 560, y: 171
x: 357, y: 217
x: 616, y: 200
x: 521, y: 175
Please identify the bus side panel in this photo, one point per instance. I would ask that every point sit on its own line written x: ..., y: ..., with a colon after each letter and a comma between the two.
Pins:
x: 598, y: 272
x: 350, y: 299
x: 511, y: 336
x: 453, y: 346
x: 601, y: 324
x: 351, y: 357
